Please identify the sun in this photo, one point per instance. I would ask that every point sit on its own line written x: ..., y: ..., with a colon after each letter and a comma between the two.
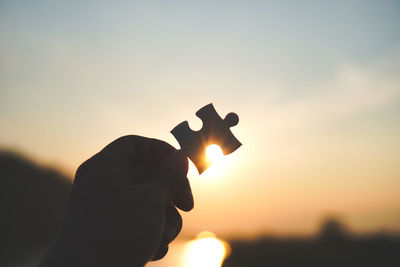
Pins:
x: 214, y: 153
x: 216, y: 161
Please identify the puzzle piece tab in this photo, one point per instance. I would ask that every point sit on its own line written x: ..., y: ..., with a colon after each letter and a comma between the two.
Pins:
x: 215, y: 130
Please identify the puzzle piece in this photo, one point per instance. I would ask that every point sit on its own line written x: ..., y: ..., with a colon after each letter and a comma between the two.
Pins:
x: 215, y: 130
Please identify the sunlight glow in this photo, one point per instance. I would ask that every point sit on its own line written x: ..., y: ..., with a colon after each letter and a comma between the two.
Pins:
x: 205, y: 250
x: 214, y: 153
x: 217, y: 160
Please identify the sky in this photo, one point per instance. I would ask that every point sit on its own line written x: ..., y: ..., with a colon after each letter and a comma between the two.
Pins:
x: 316, y: 85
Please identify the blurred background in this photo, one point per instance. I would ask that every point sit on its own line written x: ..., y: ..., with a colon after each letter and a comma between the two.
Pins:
x: 316, y: 85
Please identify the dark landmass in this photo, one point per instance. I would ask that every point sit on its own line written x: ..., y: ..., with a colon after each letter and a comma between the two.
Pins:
x: 33, y: 201
x: 333, y: 246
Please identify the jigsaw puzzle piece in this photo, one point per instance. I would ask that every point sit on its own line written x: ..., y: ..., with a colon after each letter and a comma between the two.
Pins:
x: 215, y: 130
x: 192, y: 145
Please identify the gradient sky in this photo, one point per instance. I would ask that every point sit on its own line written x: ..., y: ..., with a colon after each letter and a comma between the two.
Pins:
x: 316, y: 85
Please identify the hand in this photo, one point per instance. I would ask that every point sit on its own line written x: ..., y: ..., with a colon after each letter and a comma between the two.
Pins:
x: 123, y: 205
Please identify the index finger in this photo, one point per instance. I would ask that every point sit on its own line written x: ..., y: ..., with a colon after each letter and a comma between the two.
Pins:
x: 138, y: 151
x: 139, y: 148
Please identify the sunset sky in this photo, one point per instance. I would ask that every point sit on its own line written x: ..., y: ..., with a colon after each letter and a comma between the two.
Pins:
x: 316, y: 85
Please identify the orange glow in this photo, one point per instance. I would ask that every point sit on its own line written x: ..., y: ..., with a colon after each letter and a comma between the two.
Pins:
x: 217, y: 160
x: 214, y: 153
x: 320, y: 134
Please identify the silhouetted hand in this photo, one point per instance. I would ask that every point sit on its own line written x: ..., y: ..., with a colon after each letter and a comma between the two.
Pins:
x: 122, y: 210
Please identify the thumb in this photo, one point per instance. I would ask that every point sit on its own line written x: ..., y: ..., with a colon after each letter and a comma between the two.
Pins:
x: 172, y: 173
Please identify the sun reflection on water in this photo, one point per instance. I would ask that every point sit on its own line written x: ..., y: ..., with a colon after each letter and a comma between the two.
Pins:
x: 205, y: 250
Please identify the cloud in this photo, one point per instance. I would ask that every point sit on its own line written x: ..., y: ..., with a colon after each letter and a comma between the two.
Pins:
x: 355, y: 90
